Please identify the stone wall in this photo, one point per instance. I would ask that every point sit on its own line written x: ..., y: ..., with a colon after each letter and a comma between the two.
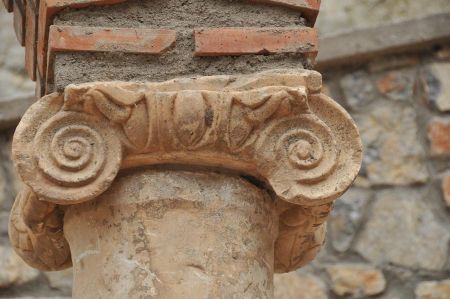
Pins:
x: 346, y: 15
x: 388, y: 236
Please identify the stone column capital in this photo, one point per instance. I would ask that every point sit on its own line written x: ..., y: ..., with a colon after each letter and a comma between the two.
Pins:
x: 276, y: 127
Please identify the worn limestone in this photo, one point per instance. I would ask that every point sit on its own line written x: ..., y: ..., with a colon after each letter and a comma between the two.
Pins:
x: 358, y: 280
x: 392, y: 154
x: 401, y: 230
x: 433, y: 290
x: 439, y: 137
x: 299, y: 286
x: 358, y: 90
x: 437, y: 85
x: 397, y: 85
x: 13, y: 270
x: 347, y: 217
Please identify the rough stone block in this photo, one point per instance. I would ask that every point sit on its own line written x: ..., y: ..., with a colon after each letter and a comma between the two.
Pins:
x: 13, y: 271
x: 397, y: 85
x: 241, y: 41
x: 358, y: 90
x: 439, y: 137
x: 433, y: 290
x: 437, y: 86
x: 358, y: 280
x: 302, y: 286
x: 393, y: 153
x: 403, y: 230
x: 347, y: 217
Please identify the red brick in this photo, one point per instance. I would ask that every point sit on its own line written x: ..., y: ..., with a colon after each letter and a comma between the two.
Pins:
x: 30, y: 39
x: 19, y: 20
x: 308, y: 8
x: 99, y: 39
x: 47, y: 10
x: 241, y: 41
x: 446, y: 189
x: 8, y: 5
x: 439, y: 137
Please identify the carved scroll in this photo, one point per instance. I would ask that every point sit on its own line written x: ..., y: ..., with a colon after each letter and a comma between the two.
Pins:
x: 274, y: 126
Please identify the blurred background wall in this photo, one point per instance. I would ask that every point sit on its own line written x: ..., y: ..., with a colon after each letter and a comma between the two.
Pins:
x: 388, y: 63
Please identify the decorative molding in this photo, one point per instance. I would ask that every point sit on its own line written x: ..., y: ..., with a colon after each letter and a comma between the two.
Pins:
x: 275, y: 126
x: 36, y: 233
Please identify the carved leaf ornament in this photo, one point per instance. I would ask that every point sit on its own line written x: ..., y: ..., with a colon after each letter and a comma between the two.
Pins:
x: 275, y: 126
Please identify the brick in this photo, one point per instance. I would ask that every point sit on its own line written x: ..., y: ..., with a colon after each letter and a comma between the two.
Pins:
x: 31, y: 38
x: 19, y: 20
x: 47, y: 10
x: 241, y: 41
x: 100, y: 39
x: 308, y: 8
x: 446, y: 189
x: 8, y: 5
x: 439, y: 137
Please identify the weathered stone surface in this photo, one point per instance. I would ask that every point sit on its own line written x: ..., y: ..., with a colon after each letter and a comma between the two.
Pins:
x: 346, y: 217
x: 299, y: 286
x: 437, y: 85
x: 348, y: 15
x: 433, y: 290
x: 275, y: 126
x: 174, y: 234
x: 15, y: 87
x: 404, y: 231
x: 12, y: 109
x: 446, y: 189
x: 4, y: 219
x: 385, y: 63
x: 13, y: 271
x: 439, y: 137
x: 393, y: 155
x: 61, y: 280
x: 397, y: 85
x: 365, y: 44
x: 358, y: 280
x: 358, y: 89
